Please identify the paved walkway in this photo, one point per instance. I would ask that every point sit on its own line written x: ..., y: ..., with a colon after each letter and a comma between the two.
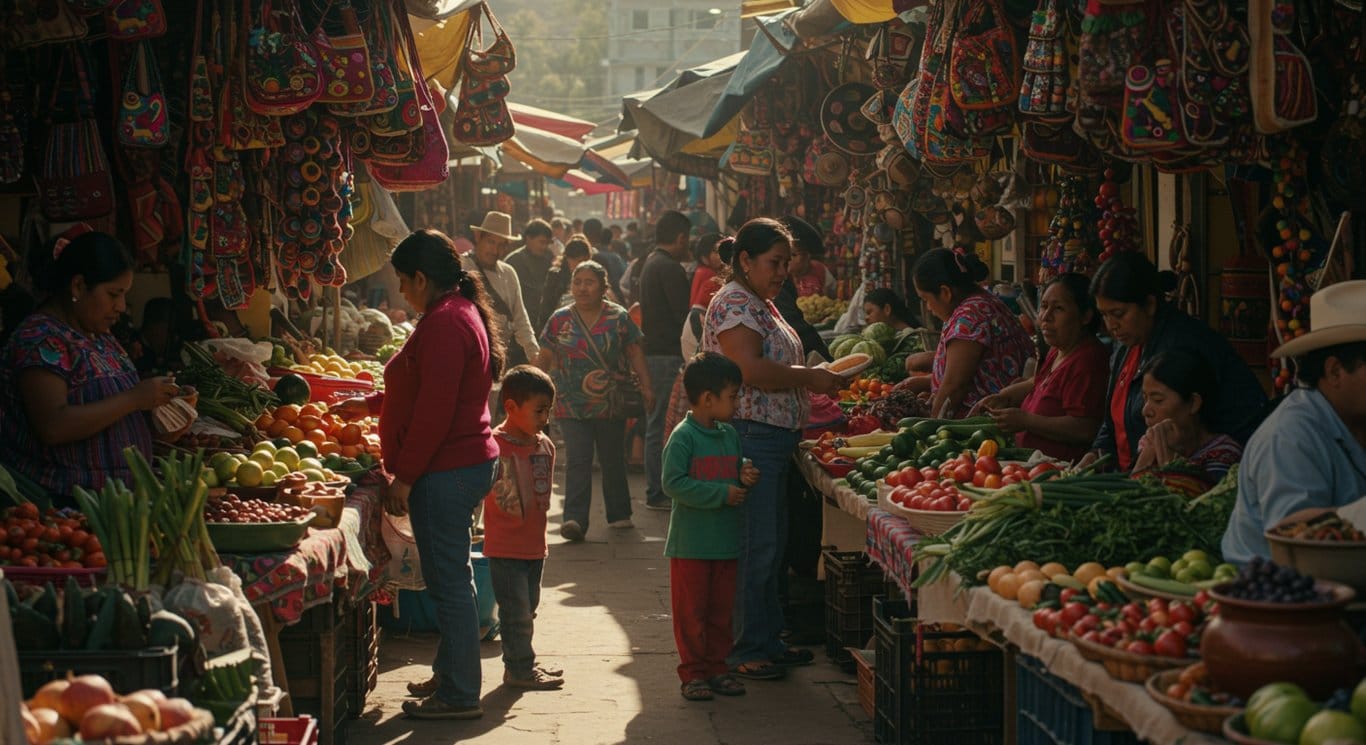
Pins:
x: 605, y: 620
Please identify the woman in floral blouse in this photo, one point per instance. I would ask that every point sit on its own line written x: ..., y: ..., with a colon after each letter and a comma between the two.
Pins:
x: 70, y: 397
x: 743, y: 324
x: 586, y: 347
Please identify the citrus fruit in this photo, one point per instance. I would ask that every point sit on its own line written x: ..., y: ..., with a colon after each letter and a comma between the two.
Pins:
x: 316, y: 436
x: 287, y: 412
x: 294, y: 434
x: 306, y: 449
x: 250, y: 474
x: 288, y: 456
x: 307, y: 422
x: 263, y: 459
x: 264, y: 445
x: 1332, y: 726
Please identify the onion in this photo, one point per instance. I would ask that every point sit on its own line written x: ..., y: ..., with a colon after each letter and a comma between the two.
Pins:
x: 175, y: 712
x: 107, y: 721
x: 32, y: 729
x: 84, y: 693
x: 152, y: 693
x: 145, y: 709
x: 51, y: 726
x: 49, y: 696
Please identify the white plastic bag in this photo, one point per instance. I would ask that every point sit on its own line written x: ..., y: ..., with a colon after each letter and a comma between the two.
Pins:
x: 404, y: 571
x: 225, y: 620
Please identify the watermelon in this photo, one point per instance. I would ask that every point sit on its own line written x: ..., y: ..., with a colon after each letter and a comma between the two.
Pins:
x: 870, y: 348
x: 880, y: 333
x: 292, y: 389
x: 844, y: 345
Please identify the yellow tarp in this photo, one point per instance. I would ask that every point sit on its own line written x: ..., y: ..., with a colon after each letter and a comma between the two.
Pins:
x: 865, y: 11
x: 717, y: 142
x: 440, y: 46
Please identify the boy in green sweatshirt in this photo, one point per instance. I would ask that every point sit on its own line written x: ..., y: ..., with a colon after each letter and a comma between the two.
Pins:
x: 706, y: 477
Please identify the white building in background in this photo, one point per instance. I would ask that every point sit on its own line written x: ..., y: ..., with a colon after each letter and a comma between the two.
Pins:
x: 650, y: 42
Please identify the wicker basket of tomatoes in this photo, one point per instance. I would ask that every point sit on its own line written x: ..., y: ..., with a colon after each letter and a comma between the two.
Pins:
x: 1124, y: 665
x: 1184, y: 693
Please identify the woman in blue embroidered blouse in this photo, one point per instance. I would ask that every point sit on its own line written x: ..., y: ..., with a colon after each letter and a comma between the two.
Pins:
x: 70, y: 397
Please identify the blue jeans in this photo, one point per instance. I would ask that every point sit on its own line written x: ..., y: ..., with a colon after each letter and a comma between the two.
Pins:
x: 758, y: 618
x: 517, y: 586
x: 663, y: 371
x: 581, y: 436
x: 440, y: 506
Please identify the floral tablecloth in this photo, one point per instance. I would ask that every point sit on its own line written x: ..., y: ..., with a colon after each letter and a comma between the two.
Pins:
x: 848, y: 500
x: 891, y: 543
x: 350, y: 558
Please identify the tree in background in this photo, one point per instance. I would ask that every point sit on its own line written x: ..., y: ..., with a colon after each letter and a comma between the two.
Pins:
x: 560, y: 48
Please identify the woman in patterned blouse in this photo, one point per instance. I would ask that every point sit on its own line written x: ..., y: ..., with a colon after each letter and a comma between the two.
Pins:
x: 743, y: 324
x: 72, y: 400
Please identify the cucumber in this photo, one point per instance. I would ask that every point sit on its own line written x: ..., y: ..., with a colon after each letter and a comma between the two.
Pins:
x: 75, y: 622
x: 129, y: 633
x: 102, y: 632
x: 46, y: 603
x: 1163, y: 585
x: 1067, y: 580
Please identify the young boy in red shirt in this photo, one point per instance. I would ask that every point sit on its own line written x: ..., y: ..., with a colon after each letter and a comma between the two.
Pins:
x: 515, y: 521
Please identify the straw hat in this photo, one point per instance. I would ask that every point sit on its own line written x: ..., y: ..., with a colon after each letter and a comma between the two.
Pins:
x: 832, y: 169
x: 499, y: 224
x: 1337, y: 315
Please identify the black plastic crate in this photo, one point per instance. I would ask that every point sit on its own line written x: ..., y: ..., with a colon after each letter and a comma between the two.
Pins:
x: 126, y: 671
x: 362, y: 655
x: 1051, y: 711
x: 851, y: 583
x: 934, y: 687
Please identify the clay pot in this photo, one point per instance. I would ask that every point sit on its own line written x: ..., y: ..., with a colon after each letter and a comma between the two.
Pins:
x: 1250, y: 644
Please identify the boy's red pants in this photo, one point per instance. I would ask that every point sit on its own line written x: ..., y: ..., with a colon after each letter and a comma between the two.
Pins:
x: 703, y: 592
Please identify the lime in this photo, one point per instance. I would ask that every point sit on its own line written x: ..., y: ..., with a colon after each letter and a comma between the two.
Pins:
x: 1195, y: 555
x: 1186, y: 575
x: 306, y: 449
x: 265, y: 445
x: 280, y: 469
x: 1201, y: 569
x: 268, y: 478
x: 265, y: 459
x: 1281, y: 719
x: 250, y: 474
x: 219, y: 457
x: 288, y: 456
x: 1263, y: 697
x: 314, y: 474
x: 1136, y: 568
x: 1159, y: 567
x: 209, y: 478
x: 225, y: 469
x: 309, y: 463
x: 1179, y: 566
x: 1332, y: 726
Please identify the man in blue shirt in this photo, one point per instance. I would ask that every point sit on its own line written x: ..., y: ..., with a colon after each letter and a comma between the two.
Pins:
x: 1311, y: 451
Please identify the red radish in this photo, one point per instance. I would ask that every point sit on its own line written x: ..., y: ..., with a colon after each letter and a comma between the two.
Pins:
x: 84, y: 693
x: 107, y: 721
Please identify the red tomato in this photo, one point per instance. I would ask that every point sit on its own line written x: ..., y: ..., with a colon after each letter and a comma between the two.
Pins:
x: 1147, y: 625
x: 979, y: 478
x: 1092, y: 636
x: 1178, y: 612
x: 1046, y: 620
x: 1041, y: 469
x: 1073, y: 612
x: 78, y: 538
x: 1138, y: 646
x: 917, y: 502
x: 1183, y: 628
x: 1084, y: 625
x: 1170, y: 644
x: 992, y: 482
x: 911, y: 477
x: 964, y: 504
x: 893, y: 478
x: 929, y: 474
x: 962, y: 473
x: 945, y: 504
x: 1066, y: 595
x: 988, y: 464
x: 95, y: 560
x: 1007, y: 481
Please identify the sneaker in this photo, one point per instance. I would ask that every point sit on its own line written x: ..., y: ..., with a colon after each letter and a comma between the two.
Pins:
x: 425, y: 688
x: 663, y: 505
x: 537, y: 681
x: 572, y: 531
x: 434, y: 708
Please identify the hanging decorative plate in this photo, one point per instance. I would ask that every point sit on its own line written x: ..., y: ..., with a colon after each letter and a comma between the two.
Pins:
x: 844, y: 123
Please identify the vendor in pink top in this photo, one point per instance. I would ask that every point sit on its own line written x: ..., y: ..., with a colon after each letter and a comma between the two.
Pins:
x: 437, y: 445
x: 1059, y: 410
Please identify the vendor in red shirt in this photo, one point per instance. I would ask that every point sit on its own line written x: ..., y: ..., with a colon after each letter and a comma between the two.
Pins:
x: 435, y: 436
x: 807, y: 272
x: 1059, y: 410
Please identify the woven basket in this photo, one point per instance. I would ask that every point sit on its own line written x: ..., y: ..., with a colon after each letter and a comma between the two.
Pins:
x: 925, y: 522
x: 1193, y: 716
x: 1125, y: 666
x: 192, y: 731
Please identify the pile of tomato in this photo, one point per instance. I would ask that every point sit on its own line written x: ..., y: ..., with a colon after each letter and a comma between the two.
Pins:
x: 1154, y: 628
x: 55, y: 538
x: 863, y: 390
x: 937, y: 488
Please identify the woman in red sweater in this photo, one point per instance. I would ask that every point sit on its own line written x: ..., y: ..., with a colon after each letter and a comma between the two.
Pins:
x: 437, y: 445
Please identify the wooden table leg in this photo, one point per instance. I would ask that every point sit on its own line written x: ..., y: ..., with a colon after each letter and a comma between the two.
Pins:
x: 277, y: 659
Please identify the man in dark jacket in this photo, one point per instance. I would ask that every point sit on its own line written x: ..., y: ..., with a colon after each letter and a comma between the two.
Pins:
x: 663, y: 292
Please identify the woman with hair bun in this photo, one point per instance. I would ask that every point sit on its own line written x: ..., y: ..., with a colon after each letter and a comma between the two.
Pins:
x: 982, y: 346
x: 437, y: 444
x: 743, y: 324
x: 71, y: 397
x: 1130, y: 295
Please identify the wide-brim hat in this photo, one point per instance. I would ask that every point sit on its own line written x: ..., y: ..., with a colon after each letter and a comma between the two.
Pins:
x: 499, y: 224
x: 832, y: 169
x: 1337, y: 315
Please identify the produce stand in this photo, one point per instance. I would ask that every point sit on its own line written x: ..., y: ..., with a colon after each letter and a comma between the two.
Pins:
x: 844, y: 512
x: 891, y: 544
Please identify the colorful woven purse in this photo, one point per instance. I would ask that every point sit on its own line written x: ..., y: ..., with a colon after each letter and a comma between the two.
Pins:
x: 129, y: 20
x: 482, y: 117
x: 382, y: 63
x: 499, y: 58
x: 142, y: 109
x: 433, y: 167
x: 73, y: 176
x: 345, y: 61
x: 283, y: 70
x: 29, y: 23
x: 404, y: 115
x: 984, y: 74
x: 1045, y: 80
x: 1282, y: 81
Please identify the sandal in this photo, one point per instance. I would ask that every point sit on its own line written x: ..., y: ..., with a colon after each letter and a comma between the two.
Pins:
x: 696, y: 690
x: 793, y: 657
x: 758, y: 671
x: 726, y: 685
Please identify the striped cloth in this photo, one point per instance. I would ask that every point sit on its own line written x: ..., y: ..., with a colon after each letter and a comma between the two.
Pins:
x: 94, y: 368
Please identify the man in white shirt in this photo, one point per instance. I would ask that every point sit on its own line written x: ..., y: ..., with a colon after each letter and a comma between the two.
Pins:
x: 500, y: 280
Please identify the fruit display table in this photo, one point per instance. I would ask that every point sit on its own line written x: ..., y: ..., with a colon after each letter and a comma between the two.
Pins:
x: 891, y: 544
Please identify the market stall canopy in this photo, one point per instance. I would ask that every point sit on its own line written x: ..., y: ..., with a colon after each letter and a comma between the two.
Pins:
x: 577, y: 179
x: 617, y: 149
x: 549, y: 121
x: 441, y: 44
x: 546, y: 153
x: 437, y: 10
x: 673, y: 119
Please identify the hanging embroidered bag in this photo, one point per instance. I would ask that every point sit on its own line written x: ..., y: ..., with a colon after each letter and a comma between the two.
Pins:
x: 129, y: 20
x: 30, y: 23
x: 74, y: 178
x: 432, y: 168
x: 1282, y: 81
x: 345, y: 62
x: 142, y: 109
x: 404, y: 115
x: 283, y: 72
x: 382, y: 63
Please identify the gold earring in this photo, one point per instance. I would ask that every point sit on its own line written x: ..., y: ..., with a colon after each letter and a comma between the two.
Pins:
x: 74, y: 299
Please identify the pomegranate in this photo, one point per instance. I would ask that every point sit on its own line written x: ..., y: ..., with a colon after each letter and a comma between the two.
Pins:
x: 49, y: 696
x: 84, y: 693
x: 107, y: 721
x: 175, y: 712
x: 51, y: 726
x: 145, y: 709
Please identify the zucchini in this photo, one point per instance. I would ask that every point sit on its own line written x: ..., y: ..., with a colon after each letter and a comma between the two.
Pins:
x: 33, y: 630
x: 75, y: 622
x: 1162, y: 585
x: 46, y: 603
x: 129, y: 633
x: 102, y: 632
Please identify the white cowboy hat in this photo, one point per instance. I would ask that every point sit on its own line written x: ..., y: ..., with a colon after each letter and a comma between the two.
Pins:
x: 1337, y: 315
x: 499, y: 224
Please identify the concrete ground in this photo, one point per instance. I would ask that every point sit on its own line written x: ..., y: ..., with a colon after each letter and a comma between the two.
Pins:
x: 605, y: 619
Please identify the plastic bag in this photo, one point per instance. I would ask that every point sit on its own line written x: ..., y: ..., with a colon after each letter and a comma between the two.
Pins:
x: 225, y: 619
x: 404, y: 571
x: 242, y: 349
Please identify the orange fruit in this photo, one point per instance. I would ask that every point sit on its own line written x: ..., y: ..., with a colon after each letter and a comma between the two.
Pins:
x: 307, y: 422
x: 294, y: 434
x: 287, y: 413
x: 350, y: 451
x: 317, y: 437
x: 332, y: 426
x: 310, y: 410
x: 277, y: 428
x: 329, y: 448
x: 264, y: 421
x: 350, y: 434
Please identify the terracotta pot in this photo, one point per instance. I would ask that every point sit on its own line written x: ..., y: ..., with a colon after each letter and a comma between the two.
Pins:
x: 1250, y: 644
